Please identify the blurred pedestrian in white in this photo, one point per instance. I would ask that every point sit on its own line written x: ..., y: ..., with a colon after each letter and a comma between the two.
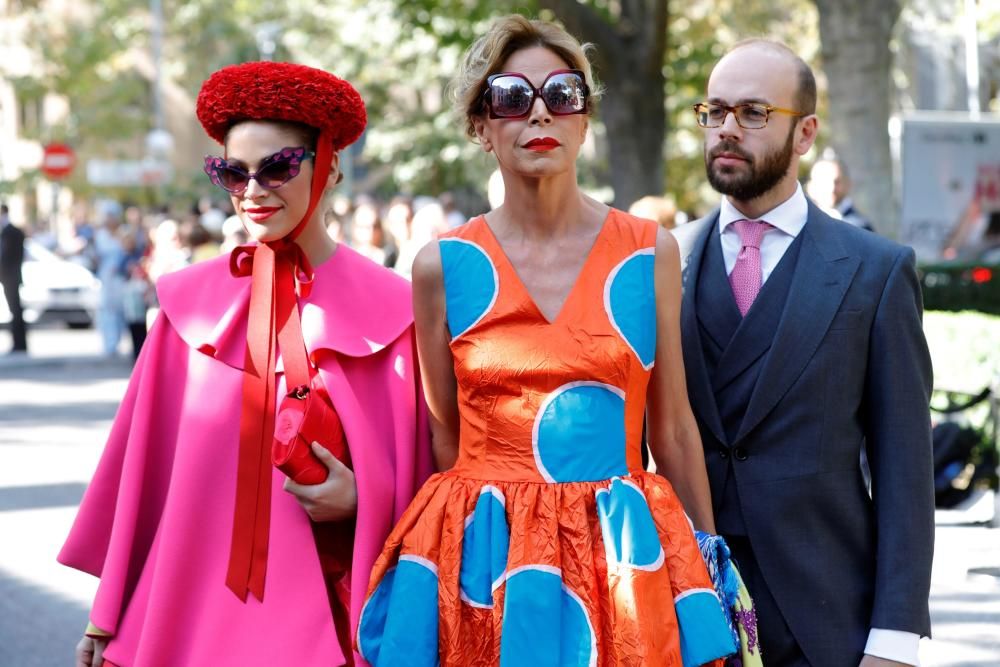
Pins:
x: 111, y: 258
x: 428, y: 223
x: 367, y: 235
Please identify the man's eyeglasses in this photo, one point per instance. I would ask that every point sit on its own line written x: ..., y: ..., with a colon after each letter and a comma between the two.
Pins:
x: 511, y: 95
x: 750, y: 116
x: 273, y: 172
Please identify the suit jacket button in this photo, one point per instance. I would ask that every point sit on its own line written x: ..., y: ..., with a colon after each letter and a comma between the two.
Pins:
x: 723, y: 453
x: 740, y: 454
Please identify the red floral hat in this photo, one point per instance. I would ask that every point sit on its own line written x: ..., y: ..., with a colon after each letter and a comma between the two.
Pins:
x: 281, y: 91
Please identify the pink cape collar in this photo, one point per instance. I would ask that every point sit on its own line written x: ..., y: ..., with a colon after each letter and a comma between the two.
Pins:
x: 208, y: 307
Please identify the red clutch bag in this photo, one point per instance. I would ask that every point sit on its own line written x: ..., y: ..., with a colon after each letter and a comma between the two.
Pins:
x: 306, y: 416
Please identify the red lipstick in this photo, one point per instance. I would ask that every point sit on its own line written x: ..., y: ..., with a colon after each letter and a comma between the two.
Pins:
x: 542, y: 144
x: 261, y: 213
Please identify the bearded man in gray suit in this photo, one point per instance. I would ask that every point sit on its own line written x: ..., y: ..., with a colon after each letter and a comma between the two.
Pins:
x: 803, y: 348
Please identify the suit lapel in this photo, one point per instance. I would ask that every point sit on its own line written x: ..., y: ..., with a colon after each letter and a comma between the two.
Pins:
x: 823, y: 273
x: 692, y: 242
x: 717, y: 311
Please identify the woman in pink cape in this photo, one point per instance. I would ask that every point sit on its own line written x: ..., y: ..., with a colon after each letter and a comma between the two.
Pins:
x: 207, y: 554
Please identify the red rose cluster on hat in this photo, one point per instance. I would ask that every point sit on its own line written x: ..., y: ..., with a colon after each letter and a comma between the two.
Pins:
x: 281, y: 91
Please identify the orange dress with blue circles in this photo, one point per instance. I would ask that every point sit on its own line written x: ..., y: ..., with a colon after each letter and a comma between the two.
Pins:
x: 547, y: 544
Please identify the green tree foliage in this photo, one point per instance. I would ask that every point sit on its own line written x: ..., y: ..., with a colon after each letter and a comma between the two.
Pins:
x: 401, y: 54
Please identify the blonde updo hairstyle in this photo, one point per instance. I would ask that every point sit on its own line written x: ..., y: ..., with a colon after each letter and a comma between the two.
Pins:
x: 505, y: 36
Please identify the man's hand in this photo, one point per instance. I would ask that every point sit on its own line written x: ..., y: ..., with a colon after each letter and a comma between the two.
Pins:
x: 90, y: 651
x: 333, y: 500
x: 872, y: 661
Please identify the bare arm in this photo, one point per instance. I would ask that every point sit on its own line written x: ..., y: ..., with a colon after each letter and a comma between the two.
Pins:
x: 437, y: 368
x: 674, y: 440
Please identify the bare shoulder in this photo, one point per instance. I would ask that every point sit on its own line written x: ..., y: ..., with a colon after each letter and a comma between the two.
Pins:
x: 667, y: 251
x: 427, y: 271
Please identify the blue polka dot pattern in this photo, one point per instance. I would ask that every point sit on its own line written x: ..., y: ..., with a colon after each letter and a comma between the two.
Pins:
x: 630, y: 301
x: 399, y: 623
x: 484, y: 549
x: 544, y: 622
x: 704, y: 631
x: 471, y: 284
x: 579, y: 433
x: 630, y: 536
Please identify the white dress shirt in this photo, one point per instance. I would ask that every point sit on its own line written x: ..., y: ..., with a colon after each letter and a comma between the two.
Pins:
x: 788, y: 219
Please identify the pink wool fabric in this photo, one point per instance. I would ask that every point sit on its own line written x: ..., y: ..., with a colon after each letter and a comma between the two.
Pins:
x: 745, y: 278
x: 156, y: 521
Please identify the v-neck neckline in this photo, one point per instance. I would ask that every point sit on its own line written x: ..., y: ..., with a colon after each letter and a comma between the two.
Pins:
x: 574, y: 287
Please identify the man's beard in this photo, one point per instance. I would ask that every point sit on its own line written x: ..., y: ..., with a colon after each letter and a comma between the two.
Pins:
x: 761, y: 175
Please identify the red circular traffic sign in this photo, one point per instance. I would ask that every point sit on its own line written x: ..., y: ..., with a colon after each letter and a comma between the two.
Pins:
x: 58, y: 161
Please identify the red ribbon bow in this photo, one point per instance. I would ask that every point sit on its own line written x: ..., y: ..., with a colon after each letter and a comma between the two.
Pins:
x: 275, y: 269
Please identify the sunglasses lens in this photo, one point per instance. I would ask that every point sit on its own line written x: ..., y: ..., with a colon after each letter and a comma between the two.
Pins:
x: 277, y: 173
x: 565, y: 93
x: 231, y: 179
x: 510, y: 97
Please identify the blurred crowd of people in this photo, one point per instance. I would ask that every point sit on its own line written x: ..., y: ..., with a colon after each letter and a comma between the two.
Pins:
x: 128, y: 248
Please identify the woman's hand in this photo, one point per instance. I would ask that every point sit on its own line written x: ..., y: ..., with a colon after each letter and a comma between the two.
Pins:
x: 333, y: 500
x: 90, y: 651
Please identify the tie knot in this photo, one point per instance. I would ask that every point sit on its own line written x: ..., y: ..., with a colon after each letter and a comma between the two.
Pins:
x: 751, y: 232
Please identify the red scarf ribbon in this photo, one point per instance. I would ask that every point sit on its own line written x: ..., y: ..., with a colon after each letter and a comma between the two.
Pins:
x: 275, y: 269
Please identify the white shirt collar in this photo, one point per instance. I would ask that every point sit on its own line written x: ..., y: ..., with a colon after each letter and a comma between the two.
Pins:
x: 789, y: 216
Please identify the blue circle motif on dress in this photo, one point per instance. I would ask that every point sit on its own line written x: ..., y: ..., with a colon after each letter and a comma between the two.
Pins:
x: 399, y: 622
x: 579, y: 433
x: 484, y: 549
x: 627, y: 527
x: 544, y: 622
x: 471, y: 283
x: 630, y: 301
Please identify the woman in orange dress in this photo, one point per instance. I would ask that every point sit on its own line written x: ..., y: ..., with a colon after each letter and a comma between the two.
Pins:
x: 546, y: 330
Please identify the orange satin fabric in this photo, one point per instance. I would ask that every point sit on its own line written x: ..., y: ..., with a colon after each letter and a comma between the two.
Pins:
x: 510, y: 364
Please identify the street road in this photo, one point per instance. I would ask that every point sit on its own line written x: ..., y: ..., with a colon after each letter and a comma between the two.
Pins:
x: 56, y: 408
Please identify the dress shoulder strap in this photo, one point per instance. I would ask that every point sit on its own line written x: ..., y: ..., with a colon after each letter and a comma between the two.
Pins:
x: 471, y: 280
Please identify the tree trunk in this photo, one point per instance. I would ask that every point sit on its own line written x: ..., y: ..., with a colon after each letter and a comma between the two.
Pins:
x: 629, y: 60
x: 855, y: 38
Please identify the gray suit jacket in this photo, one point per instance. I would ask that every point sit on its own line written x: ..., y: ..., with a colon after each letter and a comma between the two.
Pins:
x: 846, y: 368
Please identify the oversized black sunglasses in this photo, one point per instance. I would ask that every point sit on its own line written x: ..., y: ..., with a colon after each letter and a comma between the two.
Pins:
x: 511, y: 94
x: 273, y: 172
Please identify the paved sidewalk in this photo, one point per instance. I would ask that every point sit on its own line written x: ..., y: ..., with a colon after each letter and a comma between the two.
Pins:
x: 54, y: 345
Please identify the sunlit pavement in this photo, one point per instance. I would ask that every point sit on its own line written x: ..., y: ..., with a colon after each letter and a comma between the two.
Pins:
x: 56, y: 406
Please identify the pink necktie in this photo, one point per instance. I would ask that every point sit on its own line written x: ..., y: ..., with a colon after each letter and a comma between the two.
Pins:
x: 746, y: 276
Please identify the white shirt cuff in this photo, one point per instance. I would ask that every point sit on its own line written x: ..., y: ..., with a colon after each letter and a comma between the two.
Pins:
x: 893, y: 645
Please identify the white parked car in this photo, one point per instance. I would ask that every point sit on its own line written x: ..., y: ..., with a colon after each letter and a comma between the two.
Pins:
x: 55, y: 289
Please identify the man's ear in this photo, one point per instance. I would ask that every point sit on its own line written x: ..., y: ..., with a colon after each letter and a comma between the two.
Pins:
x: 808, y: 127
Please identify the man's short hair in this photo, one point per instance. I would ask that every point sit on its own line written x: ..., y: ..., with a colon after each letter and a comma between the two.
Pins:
x: 805, y: 94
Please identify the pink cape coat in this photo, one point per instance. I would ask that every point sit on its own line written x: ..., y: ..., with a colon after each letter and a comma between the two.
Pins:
x: 156, y: 521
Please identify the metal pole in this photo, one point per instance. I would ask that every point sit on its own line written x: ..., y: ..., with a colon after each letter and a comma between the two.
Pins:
x: 266, y: 36
x: 156, y: 10
x: 972, y: 58
x: 54, y: 216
